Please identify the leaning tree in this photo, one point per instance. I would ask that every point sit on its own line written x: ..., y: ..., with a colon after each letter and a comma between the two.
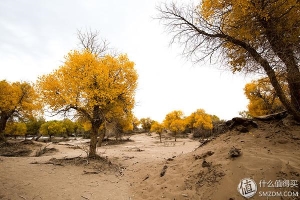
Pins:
x: 250, y: 35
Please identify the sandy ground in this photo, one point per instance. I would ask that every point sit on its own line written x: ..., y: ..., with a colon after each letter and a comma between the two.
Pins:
x: 169, y: 170
x: 19, y: 179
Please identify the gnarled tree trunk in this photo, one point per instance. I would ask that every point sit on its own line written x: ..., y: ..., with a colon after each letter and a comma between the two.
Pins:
x: 93, y: 142
x: 96, y: 123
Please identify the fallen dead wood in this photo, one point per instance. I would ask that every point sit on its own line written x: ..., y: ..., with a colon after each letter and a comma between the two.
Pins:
x: 72, y: 158
x: 243, y: 125
x: 92, y: 172
x: 275, y: 116
x: 146, y: 177
x: 53, y: 163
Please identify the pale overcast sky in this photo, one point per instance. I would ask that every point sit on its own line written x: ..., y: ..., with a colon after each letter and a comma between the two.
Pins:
x: 37, y: 34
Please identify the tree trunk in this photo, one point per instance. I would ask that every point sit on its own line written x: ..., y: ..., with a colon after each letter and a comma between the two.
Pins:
x: 93, y: 142
x: 160, y: 137
x: 3, y: 120
x: 2, y: 137
x: 96, y: 121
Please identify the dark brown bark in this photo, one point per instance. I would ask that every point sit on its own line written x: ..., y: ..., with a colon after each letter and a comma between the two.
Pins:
x: 96, y: 123
x: 93, y: 142
x: 3, y: 119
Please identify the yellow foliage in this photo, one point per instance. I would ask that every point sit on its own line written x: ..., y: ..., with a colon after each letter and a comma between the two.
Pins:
x: 244, y: 19
x: 87, y: 126
x: 86, y: 81
x: 53, y: 128
x: 177, y: 126
x: 200, y: 119
x: 262, y: 97
x: 126, y: 122
x: 172, y: 116
x: 157, y: 127
x: 17, y: 100
x: 97, y: 88
x: 18, y: 97
x: 135, y: 122
x: 15, y: 128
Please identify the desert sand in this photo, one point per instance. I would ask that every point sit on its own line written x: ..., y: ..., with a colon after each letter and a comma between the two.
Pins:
x: 144, y: 168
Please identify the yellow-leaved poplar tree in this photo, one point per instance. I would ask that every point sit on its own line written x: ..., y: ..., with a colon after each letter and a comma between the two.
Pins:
x: 93, y: 86
x: 52, y: 128
x: 17, y: 100
x: 177, y: 126
x: 172, y: 116
x: 158, y: 128
x: 15, y: 129
x: 200, y: 120
x: 175, y: 122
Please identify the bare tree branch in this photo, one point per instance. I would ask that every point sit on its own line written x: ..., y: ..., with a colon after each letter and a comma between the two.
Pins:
x: 89, y: 41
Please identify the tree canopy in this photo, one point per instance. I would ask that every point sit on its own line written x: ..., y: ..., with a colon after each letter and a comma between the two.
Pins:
x: 200, y: 119
x: 251, y: 35
x: 52, y: 128
x: 174, y: 121
x: 15, y: 128
x: 171, y: 117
